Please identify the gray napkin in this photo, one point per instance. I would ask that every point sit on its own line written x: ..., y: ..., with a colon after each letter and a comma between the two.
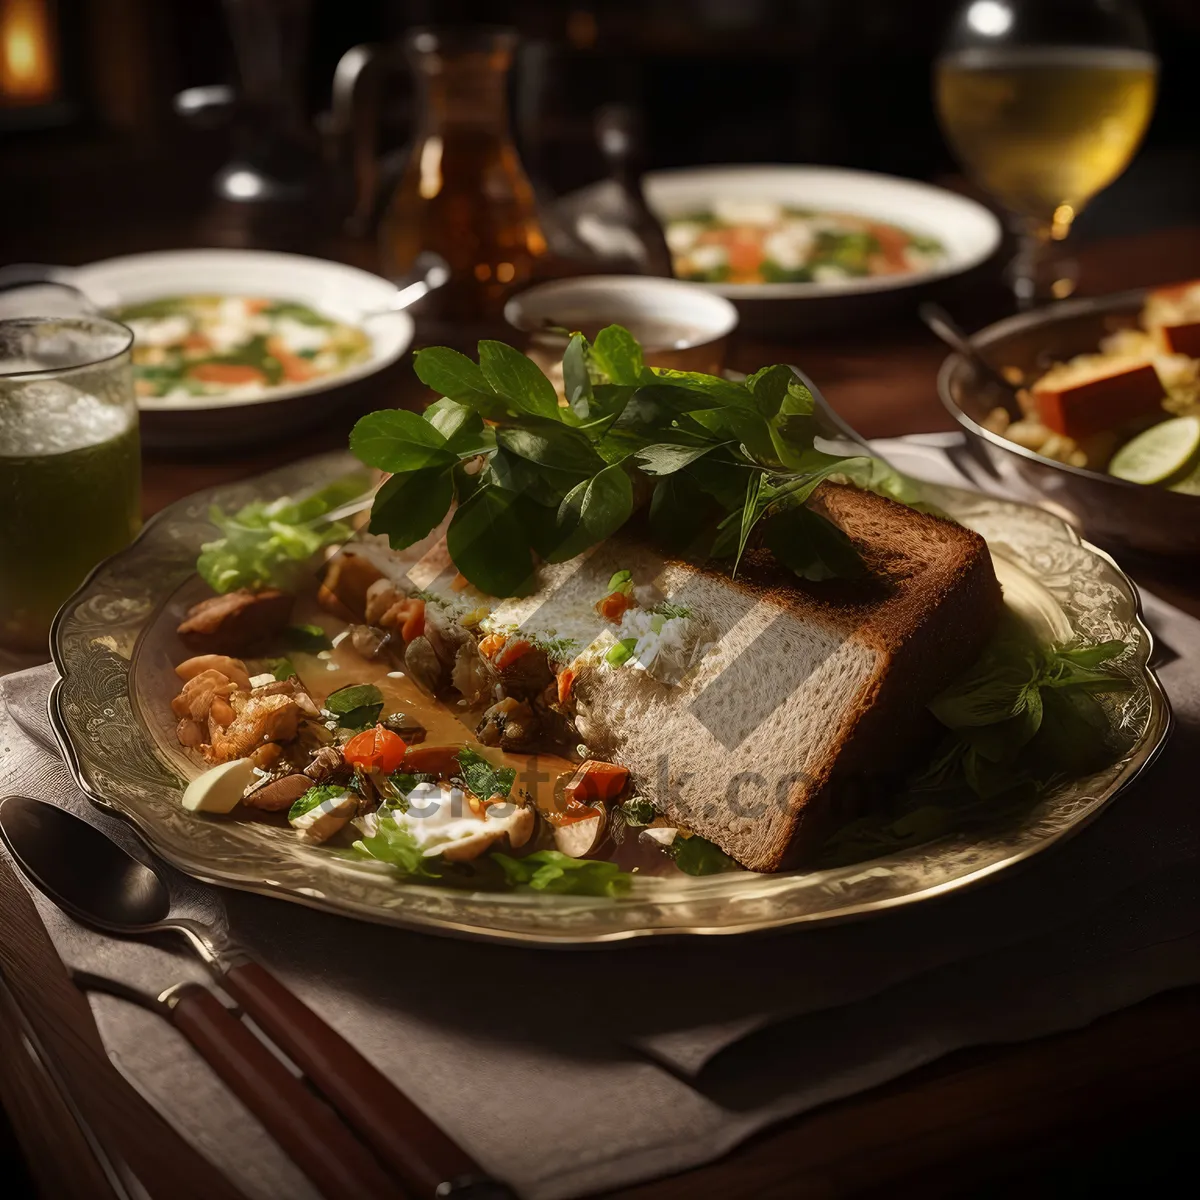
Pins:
x: 567, y: 1073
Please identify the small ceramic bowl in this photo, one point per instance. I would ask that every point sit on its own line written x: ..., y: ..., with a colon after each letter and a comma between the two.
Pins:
x: 680, y: 325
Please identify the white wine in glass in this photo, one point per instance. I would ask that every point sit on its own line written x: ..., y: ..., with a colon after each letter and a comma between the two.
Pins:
x: 1043, y: 127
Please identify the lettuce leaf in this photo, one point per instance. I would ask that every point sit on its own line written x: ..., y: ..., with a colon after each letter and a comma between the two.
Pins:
x: 396, y: 845
x: 552, y: 871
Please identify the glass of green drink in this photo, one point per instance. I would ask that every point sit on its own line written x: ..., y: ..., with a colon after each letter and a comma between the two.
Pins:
x: 70, y: 470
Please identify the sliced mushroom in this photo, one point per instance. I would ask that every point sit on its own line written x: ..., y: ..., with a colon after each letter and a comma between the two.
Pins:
x: 517, y: 827
x: 277, y: 794
x: 579, y: 837
x: 510, y: 724
x: 319, y: 824
x: 372, y: 642
x: 424, y: 666
x: 473, y: 676
x: 326, y: 763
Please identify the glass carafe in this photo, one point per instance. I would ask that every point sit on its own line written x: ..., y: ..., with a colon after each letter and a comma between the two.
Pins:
x: 463, y: 192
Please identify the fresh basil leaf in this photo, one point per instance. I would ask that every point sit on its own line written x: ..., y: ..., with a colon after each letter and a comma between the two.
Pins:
x: 993, y: 690
x: 358, y: 719
x: 680, y: 513
x: 397, y: 846
x: 551, y: 445
x: 409, y: 507
x: 698, y: 856
x: 577, y: 383
x: 310, y: 638
x: 553, y: 871
x: 1075, y: 736
x: 723, y: 392
x: 454, y: 375
x: 518, y: 379
x: 663, y: 458
x: 482, y: 778
x: 769, y: 387
x: 592, y: 511
x: 461, y: 426
x: 811, y: 546
x: 752, y: 509
x: 357, y: 695
x: 488, y: 543
x: 404, y: 782
x: 999, y: 741
x: 313, y: 797
x: 397, y: 441
x: 617, y: 354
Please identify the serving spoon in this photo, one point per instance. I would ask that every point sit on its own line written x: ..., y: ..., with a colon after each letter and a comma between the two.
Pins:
x: 100, y: 884
x: 943, y: 325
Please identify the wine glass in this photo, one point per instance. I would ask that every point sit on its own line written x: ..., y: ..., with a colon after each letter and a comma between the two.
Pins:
x: 1044, y: 102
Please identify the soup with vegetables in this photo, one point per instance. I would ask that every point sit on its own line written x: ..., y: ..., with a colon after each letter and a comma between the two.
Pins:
x: 236, y: 346
x: 762, y: 242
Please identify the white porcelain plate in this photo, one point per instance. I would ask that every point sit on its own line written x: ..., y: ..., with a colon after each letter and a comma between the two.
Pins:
x: 334, y: 289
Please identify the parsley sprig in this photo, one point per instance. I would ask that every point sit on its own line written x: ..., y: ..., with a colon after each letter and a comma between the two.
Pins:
x: 720, y: 465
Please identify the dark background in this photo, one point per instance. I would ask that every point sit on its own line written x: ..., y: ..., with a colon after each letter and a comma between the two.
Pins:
x: 842, y: 82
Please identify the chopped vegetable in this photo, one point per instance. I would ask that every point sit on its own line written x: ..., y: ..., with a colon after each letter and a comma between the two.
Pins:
x: 392, y: 843
x: 596, y: 780
x: 553, y: 871
x: 621, y: 652
x: 564, y: 682
x: 356, y: 707
x: 621, y: 581
x: 698, y: 856
x: 268, y: 543
x: 492, y: 644
x: 313, y: 797
x: 638, y: 811
x: 514, y: 649
x: 375, y: 749
x: 614, y: 606
x: 310, y: 638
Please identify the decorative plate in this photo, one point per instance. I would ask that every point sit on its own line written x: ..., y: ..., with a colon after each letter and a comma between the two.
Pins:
x: 109, y: 646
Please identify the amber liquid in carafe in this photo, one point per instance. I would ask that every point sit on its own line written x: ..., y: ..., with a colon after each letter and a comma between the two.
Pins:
x: 464, y: 193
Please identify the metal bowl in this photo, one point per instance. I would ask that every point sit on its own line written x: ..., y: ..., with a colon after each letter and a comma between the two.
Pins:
x: 1108, y: 510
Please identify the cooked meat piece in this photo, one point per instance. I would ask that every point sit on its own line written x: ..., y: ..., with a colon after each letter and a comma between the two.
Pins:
x: 527, y: 675
x: 446, y: 635
x: 277, y: 794
x: 198, y: 694
x: 473, y: 676
x: 257, y: 719
x: 424, y: 666
x: 348, y: 578
x: 232, y: 668
x: 326, y: 763
x: 235, y: 622
x: 291, y: 686
x: 382, y: 596
x: 190, y: 733
x: 510, y: 724
x: 372, y: 642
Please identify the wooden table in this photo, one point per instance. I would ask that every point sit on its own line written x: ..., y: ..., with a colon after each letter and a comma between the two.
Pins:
x: 963, y: 1125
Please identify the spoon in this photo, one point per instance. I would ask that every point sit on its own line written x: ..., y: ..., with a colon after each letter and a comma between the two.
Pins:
x: 98, y: 883
x: 429, y: 272
x: 949, y: 331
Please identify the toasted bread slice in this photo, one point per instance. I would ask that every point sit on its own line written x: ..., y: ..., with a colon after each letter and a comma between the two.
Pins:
x: 815, y: 694
x: 1095, y: 392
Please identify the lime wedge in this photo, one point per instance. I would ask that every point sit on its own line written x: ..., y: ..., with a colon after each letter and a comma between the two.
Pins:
x: 1158, y: 454
x: 1189, y: 484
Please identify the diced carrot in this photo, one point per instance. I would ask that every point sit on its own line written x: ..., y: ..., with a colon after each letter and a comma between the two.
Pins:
x: 196, y: 341
x: 745, y: 256
x: 414, y: 622
x: 295, y: 369
x: 232, y: 373
x: 614, y: 606
x: 565, y: 681
x: 596, y: 780
x: 492, y: 644
x: 441, y: 761
x: 514, y: 648
x: 892, y: 244
x: 256, y: 304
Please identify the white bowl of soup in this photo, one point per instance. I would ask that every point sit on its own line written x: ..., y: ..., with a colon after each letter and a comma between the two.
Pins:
x: 798, y: 248
x: 232, y: 346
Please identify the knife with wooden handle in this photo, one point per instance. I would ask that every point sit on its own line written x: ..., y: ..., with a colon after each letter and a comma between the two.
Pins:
x: 166, y: 1165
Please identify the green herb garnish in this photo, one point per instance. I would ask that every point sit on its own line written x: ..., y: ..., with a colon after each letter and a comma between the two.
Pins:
x: 622, y: 581
x: 638, y: 811
x: 620, y: 652
x: 268, y: 543
x: 698, y: 856
x: 553, y: 871
x: 727, y: 464
x: 281, y: 668
x: 356, y: 707
x: 482, y: 778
